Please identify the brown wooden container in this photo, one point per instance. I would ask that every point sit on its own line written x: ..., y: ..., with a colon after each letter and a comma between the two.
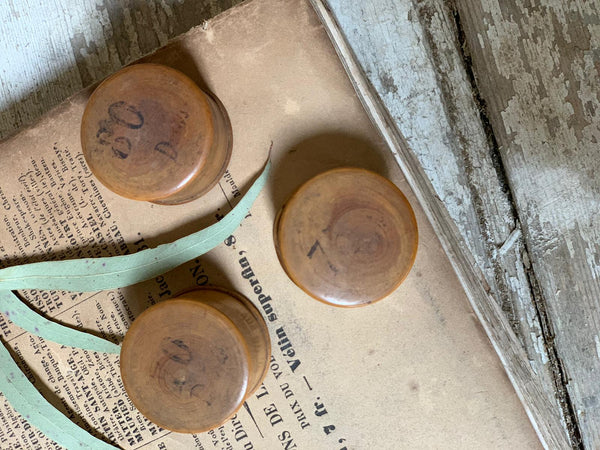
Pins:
x: 189, y: 363
x: 150, y: 133
x: 347, y: 237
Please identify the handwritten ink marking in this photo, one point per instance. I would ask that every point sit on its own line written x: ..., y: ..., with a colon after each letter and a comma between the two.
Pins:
x: 313, y: 249
x: 105, y: 132
x: 166, y: 149
x: 196, y: 390
x: 126, y: 115
x: 177, y: 350
x: 121, y: 147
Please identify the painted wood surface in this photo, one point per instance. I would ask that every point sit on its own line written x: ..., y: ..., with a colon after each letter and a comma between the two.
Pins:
x: 537, y: 66
x: 51, y: 49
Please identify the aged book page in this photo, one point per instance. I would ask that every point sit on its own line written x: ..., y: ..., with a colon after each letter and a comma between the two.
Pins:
x: 412, y: 371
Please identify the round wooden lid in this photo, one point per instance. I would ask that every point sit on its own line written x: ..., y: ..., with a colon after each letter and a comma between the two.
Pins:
x: 146, y: 131
x: 347, y: 237
x: 184, y: 365
x: 248, y: 321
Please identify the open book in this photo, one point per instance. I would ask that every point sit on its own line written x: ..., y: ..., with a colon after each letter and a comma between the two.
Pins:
x: 413, y: 370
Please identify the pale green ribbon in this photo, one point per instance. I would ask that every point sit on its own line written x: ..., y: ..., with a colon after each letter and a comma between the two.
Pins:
x: 32, y: 405
x: 92, y: 274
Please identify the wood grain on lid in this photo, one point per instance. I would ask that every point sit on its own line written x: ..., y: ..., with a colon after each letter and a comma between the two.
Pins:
x: 248, y: 320
x: 146, y: 131
x: 347, y: 237
x: 185, y: 365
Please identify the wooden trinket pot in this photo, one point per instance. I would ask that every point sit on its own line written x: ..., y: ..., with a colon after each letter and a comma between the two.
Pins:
x: 189, y: 363
x: 150, y: 133
x: 347, y: 237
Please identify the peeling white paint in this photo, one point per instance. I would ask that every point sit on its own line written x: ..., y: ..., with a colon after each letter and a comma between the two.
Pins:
x: 540, y: 348
x: 514, y: 236
x: 50, y: 49
x: 541, y: 66
x: 592, y: 258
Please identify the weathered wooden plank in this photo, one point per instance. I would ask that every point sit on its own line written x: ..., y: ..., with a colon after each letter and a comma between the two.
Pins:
x: 412, y: 57
x: 50, y: 49
x: 537, y: 67
x: 541, y: 408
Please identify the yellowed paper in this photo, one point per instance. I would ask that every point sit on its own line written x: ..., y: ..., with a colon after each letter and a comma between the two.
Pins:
x: 412, y: 371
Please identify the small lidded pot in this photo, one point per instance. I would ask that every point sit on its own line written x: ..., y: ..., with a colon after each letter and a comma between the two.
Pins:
x: 150, y: 133
x: 347, y: 237
x: 188, y: 364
